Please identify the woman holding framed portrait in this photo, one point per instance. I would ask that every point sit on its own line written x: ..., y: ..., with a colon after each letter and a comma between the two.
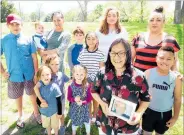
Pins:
x: 121, y: 80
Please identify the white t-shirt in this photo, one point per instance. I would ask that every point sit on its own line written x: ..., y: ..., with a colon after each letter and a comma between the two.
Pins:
x: 105, y: 41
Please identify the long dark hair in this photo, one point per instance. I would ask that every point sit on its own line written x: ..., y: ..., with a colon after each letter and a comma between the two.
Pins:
x: 108, y: 64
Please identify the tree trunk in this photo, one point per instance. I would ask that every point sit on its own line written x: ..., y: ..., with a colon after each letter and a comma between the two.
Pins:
x: 177, y: 12
x: 83, y: 9
x: 142, y: 11
x: 182, y: 13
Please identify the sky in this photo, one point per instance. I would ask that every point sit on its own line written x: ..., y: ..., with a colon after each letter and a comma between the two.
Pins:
x: 50, y: 6
x: 64, y: 6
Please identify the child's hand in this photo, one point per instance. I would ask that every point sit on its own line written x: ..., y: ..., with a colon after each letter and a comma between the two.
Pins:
x: 44, y: 105
x: 77, y: 98
x: 171, y: 122
x: 79, y: 103
x: 59, y: 116
x: 180, y: 75
x: 43, y: 101
x: 35, y: 79
x: 6, y: 75
x: 135, y: 119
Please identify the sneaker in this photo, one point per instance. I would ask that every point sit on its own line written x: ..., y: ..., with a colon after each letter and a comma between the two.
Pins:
x: 93, y: 120
x: 62, y: 130
x: 20, y: 123
x: 45, y: 132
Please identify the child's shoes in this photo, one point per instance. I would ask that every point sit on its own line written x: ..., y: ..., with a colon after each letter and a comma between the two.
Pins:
x: 62, y: 130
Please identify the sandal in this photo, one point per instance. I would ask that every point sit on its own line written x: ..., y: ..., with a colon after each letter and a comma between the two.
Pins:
x: 38, y: 119
x: 20, y: 123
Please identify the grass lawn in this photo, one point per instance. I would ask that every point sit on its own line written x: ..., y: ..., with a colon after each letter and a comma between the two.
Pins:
x: 8, y: 109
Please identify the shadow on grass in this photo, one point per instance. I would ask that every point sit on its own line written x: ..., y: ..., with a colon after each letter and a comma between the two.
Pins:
x: 31, y: 128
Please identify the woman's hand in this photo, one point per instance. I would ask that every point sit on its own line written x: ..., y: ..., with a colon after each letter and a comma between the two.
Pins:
x: 105, y: 108
x: 171, y: 122
x: 135, y: 119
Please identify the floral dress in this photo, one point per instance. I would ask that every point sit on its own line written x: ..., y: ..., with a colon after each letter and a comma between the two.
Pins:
x: 78, y: 114
x: 130, y: 87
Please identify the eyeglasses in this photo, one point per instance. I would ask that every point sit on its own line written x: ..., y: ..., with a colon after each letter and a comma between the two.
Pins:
x: 120, y: 54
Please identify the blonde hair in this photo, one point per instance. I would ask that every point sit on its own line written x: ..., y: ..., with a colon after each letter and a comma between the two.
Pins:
x: 38, y: 23
x: 84, y: 81
x: 104, y: 28
x: 40, y: 70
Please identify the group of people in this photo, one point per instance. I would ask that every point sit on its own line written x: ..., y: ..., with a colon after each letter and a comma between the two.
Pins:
x: 145, y: 73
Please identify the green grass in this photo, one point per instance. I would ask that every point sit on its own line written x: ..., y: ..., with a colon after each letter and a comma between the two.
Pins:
x: 8, y: 105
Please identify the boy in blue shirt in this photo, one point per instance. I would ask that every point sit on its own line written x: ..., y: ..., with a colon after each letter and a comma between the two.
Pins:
x: 165, y: 88
x: 22, y: 64
x: 75, y: 49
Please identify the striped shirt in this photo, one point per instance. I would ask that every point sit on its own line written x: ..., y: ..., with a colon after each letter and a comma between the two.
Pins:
x: 91, y: 60
x: 146, y: 54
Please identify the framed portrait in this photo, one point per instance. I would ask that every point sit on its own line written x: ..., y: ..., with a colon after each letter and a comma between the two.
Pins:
x: 122, y: 108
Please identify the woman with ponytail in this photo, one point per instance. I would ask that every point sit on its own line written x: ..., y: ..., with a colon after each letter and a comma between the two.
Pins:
x: 146, y: 45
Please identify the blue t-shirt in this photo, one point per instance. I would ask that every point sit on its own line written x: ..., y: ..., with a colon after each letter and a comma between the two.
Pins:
x: 49, y: 93
x: 73, y: 54
x: 60, y: 79
x: 161, y: 89
x: 18, y: 50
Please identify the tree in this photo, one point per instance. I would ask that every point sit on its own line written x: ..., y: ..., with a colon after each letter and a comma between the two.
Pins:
x: 72, y: 15
x: 96, y: 13
x: 48, y: 18
x: 177, y: 13
x: 143, y: 5
x: 6, y: 9
x: 33, y: 17
x: 39, y: 11
x: 182, y: 12
x: 83, y: 8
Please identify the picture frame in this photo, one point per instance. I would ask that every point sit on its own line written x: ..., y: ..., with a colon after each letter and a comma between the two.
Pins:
x: 122, y: 108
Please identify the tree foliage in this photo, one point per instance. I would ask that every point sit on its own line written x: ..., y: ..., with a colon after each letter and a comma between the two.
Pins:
x: 73, y: 15
x: 6, y: 9
x: 96, y: 13
x: 48, y: 18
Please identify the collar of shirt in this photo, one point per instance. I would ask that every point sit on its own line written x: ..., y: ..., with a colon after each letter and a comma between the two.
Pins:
x: 76, y: 84
x: 54, y: 76
x: 39, y: 35
x: 15, y: 36
x: 78, y: 45
x: 92, y: 51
